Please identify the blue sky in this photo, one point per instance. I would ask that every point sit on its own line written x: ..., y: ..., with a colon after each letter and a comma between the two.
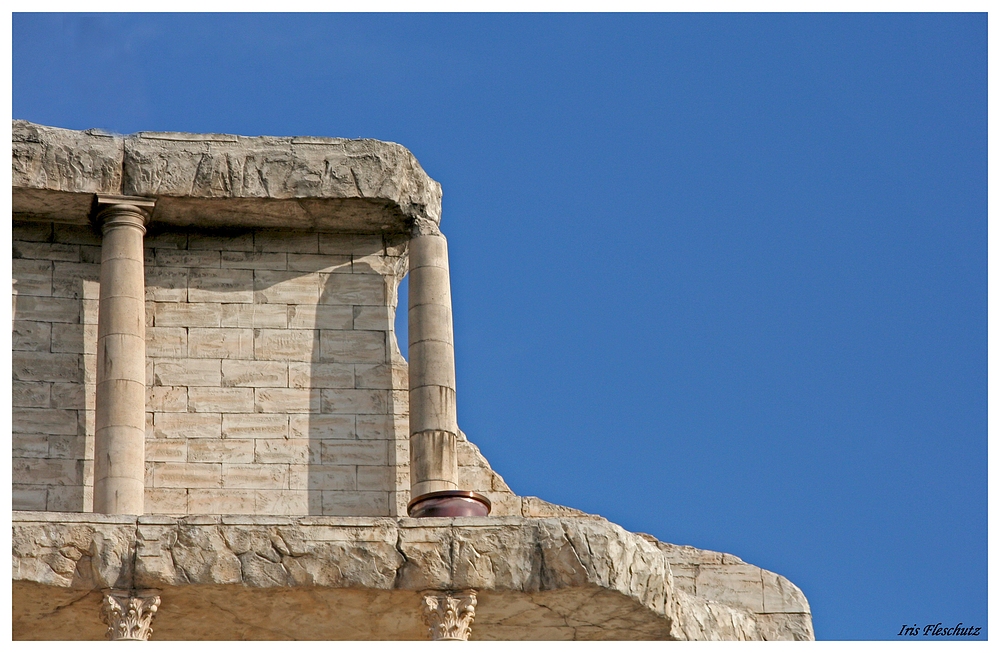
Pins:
x: 719, y: 278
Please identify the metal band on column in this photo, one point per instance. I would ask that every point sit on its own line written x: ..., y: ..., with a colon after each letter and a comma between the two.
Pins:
x: 120, y: 429
x: 433, y: 418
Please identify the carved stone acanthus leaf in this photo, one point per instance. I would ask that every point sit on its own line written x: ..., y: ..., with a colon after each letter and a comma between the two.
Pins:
x: 449, y: 615
x: 129, y: 615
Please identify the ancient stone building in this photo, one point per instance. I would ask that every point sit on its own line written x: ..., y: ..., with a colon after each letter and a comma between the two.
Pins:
x: 215, y: 434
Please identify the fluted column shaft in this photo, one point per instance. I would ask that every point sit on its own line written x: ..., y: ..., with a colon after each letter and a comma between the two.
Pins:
x: 433, y: 418
x: 120, y: 435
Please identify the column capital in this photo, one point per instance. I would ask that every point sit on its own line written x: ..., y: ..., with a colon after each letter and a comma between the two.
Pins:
x: 129, y: 614
x: 449, y: 615
x: 118, y: 210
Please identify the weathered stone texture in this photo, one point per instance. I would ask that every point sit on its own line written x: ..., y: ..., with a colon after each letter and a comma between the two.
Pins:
x: 62, y: 159
x: 554, y: 578
x: 224, y: 180
x: 781, y: 607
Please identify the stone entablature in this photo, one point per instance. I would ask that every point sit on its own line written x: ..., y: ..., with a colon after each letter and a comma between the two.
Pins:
x: 222, y: 180
x: 247, y: 577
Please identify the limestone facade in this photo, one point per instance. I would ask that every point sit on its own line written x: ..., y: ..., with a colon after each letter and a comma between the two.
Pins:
x: 209, y: 402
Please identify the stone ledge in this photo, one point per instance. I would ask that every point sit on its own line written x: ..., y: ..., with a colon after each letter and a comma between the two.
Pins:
x: 215, y: 180
x: 559, y: 578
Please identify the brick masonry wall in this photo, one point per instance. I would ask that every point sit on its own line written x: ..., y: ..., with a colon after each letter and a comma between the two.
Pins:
x: 275, y: 385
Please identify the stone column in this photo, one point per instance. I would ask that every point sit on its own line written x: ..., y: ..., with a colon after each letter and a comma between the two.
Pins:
x: 129, y: 614
x: 449, y: 615
x: 120, y: 433
x: 434, y: 487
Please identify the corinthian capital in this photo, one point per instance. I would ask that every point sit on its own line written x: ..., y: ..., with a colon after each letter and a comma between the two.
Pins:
x: 449, y: 615
x: 129, y: 615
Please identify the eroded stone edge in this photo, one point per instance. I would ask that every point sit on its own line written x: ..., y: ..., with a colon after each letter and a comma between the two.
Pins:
x: 87, y: 552
x: 221, y: 166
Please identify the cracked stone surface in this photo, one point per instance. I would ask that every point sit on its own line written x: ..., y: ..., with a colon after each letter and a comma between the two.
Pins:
x: 542, y: 571
x: 244, y: 577
x: 220, y: 180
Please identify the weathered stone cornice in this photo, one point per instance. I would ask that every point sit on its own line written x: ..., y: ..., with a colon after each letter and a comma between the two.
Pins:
x: 218, y: 180
x: 582, y: 578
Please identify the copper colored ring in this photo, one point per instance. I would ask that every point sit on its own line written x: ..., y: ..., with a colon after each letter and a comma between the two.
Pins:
x: 449, y: 494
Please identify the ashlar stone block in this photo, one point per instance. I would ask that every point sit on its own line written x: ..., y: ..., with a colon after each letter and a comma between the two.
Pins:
x: 188, y: 258
x: 187, y: 475
x: 348, y: 452
x: 301, y: 242
x: 171, y: 399
x: 322, y: 477
x: 46, y: 309
x: 166, y: 342
x: 288, y: 451
x: 283, y: 400
x: 329, y: 263
x: 254, y: 374
x: 227, y: 502
x: 220, y: 451
x: 255, y: 477
x: 52, y: 421
x: 163, y: 451
x: 320, y: 317
x: 255, y: 260
x: 321, y: 375
x: 166, y: 284
x: 235, y: 241
x: 76, y: 280
x: 31, y: 336
x: 322, y: 427
x: 32, y: 277
x: 220, y: 400
x: 355, y: 289
x: 46, y: 251
x: 187, y: 315
x: 352, y: 346
x: 254, y: 425
x: 265, y: 316
x: 227, y: 285
x: 220, y: 343
x: 187, y: 425
x: 355, y: 402
x: 286, y: 344
x: 31, y: 394
x: 274, y: 287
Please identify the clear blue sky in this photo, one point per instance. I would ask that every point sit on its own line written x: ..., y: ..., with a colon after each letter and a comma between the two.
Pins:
x: 719, y: 278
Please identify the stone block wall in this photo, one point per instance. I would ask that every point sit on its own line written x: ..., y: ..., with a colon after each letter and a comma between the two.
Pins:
x: 55, y: 272
x: 275, y: 384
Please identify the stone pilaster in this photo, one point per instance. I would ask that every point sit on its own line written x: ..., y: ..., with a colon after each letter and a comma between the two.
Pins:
x: 129, y: 614
x: 120, y: 420
x: 449, y: 615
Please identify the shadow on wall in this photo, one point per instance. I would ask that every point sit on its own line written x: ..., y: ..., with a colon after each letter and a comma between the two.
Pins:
x: 277, y: 386
x: 275, y: 382
x: 359, y: 453
x: 55, y: 271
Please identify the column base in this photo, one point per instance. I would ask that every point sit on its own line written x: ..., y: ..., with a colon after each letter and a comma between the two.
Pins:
x: 449, y: 503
